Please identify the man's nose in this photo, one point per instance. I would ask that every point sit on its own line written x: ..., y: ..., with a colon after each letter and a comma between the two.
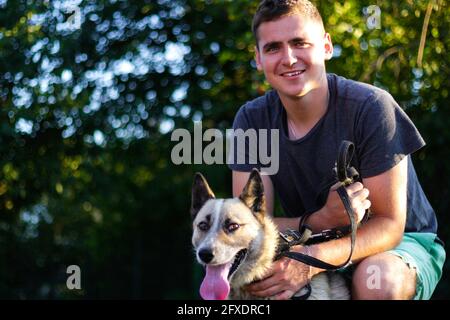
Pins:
x: 289, y: 57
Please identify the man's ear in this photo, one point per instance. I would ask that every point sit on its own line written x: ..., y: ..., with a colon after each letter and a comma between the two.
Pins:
x: 253, y: 194
x: 258, y: 59
x: 201, y: 192
x: 328, y: 46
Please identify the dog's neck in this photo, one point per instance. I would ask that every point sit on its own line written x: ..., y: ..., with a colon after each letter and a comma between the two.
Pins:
x: 258, y: 269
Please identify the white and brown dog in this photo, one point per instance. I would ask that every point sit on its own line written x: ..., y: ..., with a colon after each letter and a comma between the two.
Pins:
x: 236, y: 241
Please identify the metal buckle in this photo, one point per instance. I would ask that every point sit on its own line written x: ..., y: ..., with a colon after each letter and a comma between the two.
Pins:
x: 290, y: 236
x: 328, y: 234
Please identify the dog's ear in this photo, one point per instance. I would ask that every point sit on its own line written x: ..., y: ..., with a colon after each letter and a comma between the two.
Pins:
x: 201, y: 192
x: 253, y: 193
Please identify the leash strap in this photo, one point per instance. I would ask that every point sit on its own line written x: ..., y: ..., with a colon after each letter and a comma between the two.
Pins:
x: 314, y: 262
x: 304, y: 296
x: 346, y: 175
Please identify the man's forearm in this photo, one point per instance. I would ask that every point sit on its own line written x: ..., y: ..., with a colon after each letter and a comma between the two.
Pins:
x: 286, y: 223
x: 379, y: 234
x: 317, y: 222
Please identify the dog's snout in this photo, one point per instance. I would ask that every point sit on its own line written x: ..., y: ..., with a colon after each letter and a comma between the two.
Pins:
x: 206, y: 255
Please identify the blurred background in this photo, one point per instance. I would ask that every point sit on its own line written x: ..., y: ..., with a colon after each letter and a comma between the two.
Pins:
x: 90, y: 92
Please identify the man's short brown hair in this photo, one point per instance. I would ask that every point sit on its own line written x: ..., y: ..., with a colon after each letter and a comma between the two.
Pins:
x: 270, y: 10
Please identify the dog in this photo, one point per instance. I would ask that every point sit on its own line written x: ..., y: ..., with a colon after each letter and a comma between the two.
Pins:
x: 236, y: 241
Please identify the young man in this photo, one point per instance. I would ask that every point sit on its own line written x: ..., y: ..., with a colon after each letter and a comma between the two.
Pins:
x: 397, y: 253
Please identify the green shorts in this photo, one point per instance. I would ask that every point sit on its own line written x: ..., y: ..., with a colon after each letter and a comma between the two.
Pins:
x: 425, y: 253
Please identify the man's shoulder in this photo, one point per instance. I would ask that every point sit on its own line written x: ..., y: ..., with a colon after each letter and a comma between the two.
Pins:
x: 355, y: 91
x: 260, y: 110
x: 262, y: 102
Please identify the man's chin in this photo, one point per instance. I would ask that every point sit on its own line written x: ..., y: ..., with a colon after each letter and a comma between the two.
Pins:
x: 297, y: 92
x: 293, y: 94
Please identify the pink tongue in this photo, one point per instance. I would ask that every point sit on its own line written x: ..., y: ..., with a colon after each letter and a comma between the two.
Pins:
x: 215, y: 285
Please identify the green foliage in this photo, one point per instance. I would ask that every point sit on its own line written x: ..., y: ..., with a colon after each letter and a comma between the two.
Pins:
x: 89, y: 94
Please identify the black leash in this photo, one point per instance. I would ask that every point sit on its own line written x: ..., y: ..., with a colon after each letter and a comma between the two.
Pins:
x: 346, y: 175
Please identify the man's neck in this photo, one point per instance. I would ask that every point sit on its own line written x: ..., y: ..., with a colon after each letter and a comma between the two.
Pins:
x: 304, y: 112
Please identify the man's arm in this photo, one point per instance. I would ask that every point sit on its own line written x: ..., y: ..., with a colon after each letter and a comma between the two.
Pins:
x: 330, y: 216
x: 382, y: 232
x: 388, y: 196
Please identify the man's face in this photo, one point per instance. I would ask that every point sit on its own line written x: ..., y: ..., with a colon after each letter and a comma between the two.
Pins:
x: 292, y: 52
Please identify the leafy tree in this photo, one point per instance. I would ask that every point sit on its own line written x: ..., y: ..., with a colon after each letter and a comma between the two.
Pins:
x: 90, y: 92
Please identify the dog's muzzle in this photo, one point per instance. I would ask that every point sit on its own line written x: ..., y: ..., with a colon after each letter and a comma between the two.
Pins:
x: 216, y: 285
x: 206, y: 255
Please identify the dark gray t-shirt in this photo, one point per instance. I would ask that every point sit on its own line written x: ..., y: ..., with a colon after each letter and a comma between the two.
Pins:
x: 369, y: 117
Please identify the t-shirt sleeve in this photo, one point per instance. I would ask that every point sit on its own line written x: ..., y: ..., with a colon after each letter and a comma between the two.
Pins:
x: 242, y: 155
x: 384, y: 134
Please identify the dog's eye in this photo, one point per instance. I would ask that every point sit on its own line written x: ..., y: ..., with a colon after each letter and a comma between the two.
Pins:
x: 203, y: 226
x: 232, y: 227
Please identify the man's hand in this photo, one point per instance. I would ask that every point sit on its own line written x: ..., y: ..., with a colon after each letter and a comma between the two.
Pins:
x: 334, y: 211
x: 285, y: 278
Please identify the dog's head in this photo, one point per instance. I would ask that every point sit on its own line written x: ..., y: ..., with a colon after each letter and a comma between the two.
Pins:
x: 224, y: 231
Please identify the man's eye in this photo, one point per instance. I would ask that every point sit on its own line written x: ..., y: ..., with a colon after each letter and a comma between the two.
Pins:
x: 301, y: 44
x: 232, y: 227
x: 271, y: 49
x: 203, y: 226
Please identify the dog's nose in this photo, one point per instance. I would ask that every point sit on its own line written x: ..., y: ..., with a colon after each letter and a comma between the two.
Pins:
x: 206, y: 255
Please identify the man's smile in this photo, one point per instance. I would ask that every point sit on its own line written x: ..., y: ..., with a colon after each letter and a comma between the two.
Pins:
x: 291, y: 74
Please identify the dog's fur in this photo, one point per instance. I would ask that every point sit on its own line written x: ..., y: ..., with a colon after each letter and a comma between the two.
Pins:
x: 236, y: 241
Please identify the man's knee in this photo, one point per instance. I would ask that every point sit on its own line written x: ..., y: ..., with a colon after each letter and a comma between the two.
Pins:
x: 383, y: 277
